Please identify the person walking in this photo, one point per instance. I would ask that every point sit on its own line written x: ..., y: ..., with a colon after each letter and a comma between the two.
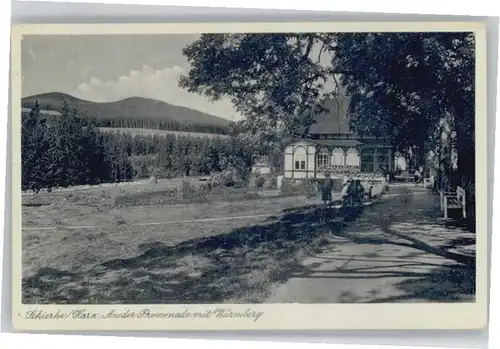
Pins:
x: 326, y: 189
x: 346, y: 192
x: 417, y: 176
x: 326, y: 196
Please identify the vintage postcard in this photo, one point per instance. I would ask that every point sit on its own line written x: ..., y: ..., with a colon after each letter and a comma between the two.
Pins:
x: 280, y: 176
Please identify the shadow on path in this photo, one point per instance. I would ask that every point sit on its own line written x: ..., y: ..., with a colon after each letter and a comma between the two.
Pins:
x: 238, y: 267
x: 444, y: 281
x: 235, y: 267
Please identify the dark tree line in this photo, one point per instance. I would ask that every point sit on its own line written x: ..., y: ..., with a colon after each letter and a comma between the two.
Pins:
x: 175, y: 156
x: 67, y: 150
x: 153, y: 123
x: 167, y: 125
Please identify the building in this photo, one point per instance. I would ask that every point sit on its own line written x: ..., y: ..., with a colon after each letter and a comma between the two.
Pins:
x: 331, y: 145
x: 261, y: 166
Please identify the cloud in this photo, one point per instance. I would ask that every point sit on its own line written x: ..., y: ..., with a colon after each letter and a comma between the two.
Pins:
x: 95, y: 82
x: 160, y: 84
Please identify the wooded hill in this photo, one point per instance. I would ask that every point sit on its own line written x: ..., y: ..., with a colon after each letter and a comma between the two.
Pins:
x: 134, y: 112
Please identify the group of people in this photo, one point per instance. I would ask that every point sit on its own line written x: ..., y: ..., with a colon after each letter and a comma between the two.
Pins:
x: 352, y: 189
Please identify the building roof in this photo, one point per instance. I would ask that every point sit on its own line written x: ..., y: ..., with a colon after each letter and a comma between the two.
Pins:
x: 335, y: 142
x: 335, y: 120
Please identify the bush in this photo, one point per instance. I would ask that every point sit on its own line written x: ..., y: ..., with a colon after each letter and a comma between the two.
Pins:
x: 259, y: 182
x: 227, y: 178
x: 216, y: 180
x: 191, y: 192
x: 256, y: 181
x: 305, y: 187
x: 270, y: 182
x: 252, y: 182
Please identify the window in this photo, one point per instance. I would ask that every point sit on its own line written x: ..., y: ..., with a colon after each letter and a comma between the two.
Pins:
x: 300, y: 162
x: 367, y: 157
x: 338, y: 157
x: 322, y: 158
x: 299, y: 158
x: 352, y: 158
x: 382, y: 158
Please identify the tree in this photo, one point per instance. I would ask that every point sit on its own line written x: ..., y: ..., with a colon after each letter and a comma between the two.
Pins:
x: 36, y: 142
x: 272, y: 79
x: 400, y: 84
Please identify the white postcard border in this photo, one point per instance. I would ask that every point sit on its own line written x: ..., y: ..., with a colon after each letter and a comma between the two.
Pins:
x: 260, y: 316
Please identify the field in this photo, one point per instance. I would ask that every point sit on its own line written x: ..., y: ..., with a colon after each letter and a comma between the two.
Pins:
x: 149, y: 132
x: 81, y: 247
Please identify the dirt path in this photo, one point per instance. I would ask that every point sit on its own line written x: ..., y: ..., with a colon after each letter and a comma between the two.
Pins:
x: 417, y: 259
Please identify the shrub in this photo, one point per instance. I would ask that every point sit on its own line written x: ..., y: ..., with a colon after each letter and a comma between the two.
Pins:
x: 305, y: 187
x: 259, y: 182
x: 216, y: 180
x: 252, y: 181
x: 256, y: 181
x: 227, y: 178
x: 191, y: 192
x: 270, y: 182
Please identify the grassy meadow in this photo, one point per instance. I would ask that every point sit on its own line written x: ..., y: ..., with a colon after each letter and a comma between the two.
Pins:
x: 124, y: 244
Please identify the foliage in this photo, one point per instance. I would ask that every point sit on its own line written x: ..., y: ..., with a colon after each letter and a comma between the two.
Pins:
x: 400, y: 84
x: 305, y: 187
x: 259, y: 182
x: 167, y: 125
x: 272, y: 79
x: 193, y: 193
x: 270, y: 182
x: 35, y: 143
x: 66, y: 150
x: 269, y: 77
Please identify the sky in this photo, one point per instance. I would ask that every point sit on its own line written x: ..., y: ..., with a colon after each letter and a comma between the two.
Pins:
x: 107, y: 68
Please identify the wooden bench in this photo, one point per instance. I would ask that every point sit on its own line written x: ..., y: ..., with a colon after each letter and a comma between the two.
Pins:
x: 404, y: 178
x: 453, y: 201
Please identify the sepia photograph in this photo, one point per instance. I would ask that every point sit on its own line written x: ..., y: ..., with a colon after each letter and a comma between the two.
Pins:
x: 328, y: 167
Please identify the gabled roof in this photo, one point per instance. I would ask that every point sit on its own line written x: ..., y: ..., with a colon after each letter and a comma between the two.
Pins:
x: 336, y: 142
x: 335, y: 120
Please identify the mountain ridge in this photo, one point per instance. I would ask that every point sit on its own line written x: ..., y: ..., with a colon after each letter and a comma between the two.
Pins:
x: 126, y: 108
